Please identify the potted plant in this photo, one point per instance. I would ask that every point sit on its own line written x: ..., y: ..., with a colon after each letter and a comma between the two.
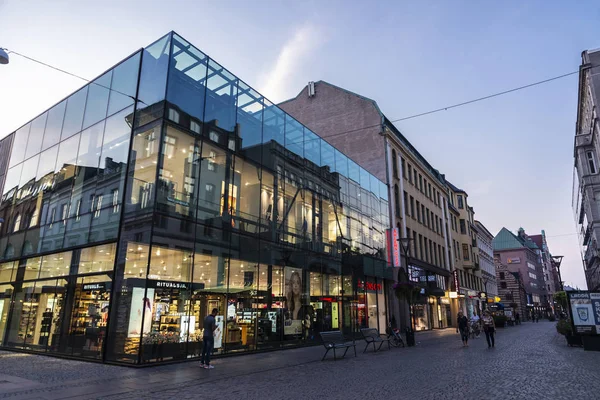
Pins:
x: 161, y: 344
x: 564, y: 328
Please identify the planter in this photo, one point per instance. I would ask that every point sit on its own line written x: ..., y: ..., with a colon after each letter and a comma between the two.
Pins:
x: 591, y: 343
x: 574, y: 340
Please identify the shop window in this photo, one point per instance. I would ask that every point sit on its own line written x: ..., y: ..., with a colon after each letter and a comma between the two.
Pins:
x: 143, y: 160
x: 136, y: 262
x: 97, y: 259
x: 55, y: 265
x: 170, y: 264
x: 6, y: 271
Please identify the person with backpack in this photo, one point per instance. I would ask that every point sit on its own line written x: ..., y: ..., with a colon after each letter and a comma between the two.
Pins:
x: 489, y: 327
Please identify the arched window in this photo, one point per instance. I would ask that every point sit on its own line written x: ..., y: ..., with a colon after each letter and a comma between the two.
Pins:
x: 17, y: 223
x: 394, y: 163
x: 10, y: 251
x: 397, y: 201
x: 27, y: 248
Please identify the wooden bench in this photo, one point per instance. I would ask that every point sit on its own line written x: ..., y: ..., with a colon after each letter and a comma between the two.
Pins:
x: 335, y: 340
x: 372, y: 336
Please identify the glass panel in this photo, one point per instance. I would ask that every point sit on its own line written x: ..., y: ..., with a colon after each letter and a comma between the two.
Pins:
x: 97, y: 259
x: 294, y: 136
x: 54, y: 125
x: 341, y: 163
x: 74, y: 113
x: 97, y: 100
x: 364, y: 179
x: 249, y: 119
x: 221, y: 96
x: 353, y: 171
x: 56, y: 265
x: 66, y: 160
x: 327, y: 155
x: 178, y: 175
x: 89, y: 318
x: 170, y: 264
x: 142, y: 169
x: 19, y: 145
x: 212, y: 176
x: 187, y: 77
x: 27, y: 181
x: 246, y: 182
x: 36, y: 135
x: 312, y: 150
x: 6, y: 271
x: 153, y: 80
x: 6, y: 292
x: 124, y: 84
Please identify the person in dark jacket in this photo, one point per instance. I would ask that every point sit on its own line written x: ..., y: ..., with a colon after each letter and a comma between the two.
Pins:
x: 463, y: 327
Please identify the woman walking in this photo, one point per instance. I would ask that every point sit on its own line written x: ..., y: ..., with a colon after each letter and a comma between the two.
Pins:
x: 463, y: 327
x: 489, y: 327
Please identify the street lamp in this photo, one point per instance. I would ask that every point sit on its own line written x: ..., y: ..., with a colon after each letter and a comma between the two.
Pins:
x: 3, y: 56
x: 485, y: 282
x: 405, y: 247
x: 557, y: 261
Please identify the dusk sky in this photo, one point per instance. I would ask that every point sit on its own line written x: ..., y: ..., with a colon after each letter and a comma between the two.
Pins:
x: 513, y: 154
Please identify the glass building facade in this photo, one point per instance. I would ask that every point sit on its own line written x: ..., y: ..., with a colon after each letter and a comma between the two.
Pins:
x: 168, y: 187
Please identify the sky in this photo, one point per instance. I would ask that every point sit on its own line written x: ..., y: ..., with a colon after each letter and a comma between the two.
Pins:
x: 513, y: 154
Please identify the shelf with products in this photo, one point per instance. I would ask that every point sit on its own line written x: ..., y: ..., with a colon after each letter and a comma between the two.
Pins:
x: 90, y: 312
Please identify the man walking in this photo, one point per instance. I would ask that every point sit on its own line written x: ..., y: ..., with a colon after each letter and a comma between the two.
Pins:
x: 208, y: 339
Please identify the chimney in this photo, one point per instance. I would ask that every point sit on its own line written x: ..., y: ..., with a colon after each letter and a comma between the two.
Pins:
x: 311, y: 89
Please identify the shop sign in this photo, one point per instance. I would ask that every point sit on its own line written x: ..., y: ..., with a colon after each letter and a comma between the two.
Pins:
x: 393, y: 237
x: 427, y: 278
x: 514, y: 260
x: 93, y: 286
x: 178, y: 202
x: 497, y: 299
x: 455, y: 280
x: 167, y: 285
x: 374, y: 287
x: 445, y: 300
x: 482, y: 295
x: 453, y: 295
x: 472, y: 293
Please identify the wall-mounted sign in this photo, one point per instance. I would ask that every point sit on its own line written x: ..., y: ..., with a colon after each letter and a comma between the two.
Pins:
x: 374, y: 287
x: 482, y: 295
x: 167, y: 285
x: 453, y: 295
x: 93, y: 286
x: 514, y: 260
x: 393, y: 238
x: 455, y: 282
x: 585, y: 312
x: 445, y: 300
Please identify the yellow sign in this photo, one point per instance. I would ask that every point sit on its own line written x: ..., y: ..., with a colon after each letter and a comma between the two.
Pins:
x: 453, y: 295
x: 335, y: 316
x: 490, y: 300
x: 497, y: 299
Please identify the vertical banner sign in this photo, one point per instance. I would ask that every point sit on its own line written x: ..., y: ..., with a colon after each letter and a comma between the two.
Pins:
x: 455, y: 281
x: 595, y: 298
x: 388, y: 237
x: 396, y: 247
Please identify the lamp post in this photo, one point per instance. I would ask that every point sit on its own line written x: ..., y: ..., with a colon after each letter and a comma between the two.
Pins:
x: 405, y: 247
x: 3, y: 56
x: 485, y: 282
x: 557, y: 261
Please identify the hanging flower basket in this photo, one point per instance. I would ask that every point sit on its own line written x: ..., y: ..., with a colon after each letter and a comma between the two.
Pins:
x: 406, y: 290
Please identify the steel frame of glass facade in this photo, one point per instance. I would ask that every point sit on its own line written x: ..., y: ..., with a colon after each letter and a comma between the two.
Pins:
x: 168, y: 187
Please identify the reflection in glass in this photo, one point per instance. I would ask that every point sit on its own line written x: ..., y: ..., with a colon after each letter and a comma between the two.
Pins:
x: 36, y: 135
x: 124, y: 84
x: 220, y: 109
x: 142, y: 169
x: 97, y: 100
x: 153, y: 80
x: 19, y: 145
x: 74, y: 113
x: 54, y: 125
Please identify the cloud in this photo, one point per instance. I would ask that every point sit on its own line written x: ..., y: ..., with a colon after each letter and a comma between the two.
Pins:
x: 277, y: 84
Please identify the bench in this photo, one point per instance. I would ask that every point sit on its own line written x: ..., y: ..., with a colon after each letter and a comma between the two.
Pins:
x: 372, y: 336
x: 335, y: 340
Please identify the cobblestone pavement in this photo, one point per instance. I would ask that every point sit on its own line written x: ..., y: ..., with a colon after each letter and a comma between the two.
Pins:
x: 529, y: 362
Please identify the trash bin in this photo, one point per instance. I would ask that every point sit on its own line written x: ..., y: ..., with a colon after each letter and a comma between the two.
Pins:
x: 410, y: 337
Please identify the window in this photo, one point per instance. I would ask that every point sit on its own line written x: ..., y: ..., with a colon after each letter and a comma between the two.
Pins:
x: 436, y: 252
x: 437, y: 225
x: 194, y: 126
x: 115, y: 200
x: 423, y: 215
x: 421, y: 245
x: 394, y: 163
x: 415, y: 176
x: 418, y: 211
x: 591, y: 159
x: 174, y: 115
x: 403, y: 167
x: 465, y: 250
x: 432, y: 219
x: 214, y: 136
x: 425, y: 186
x: 460, y: 201
x: 421, y: 183
x: 64, y: 212
x: 428, y: 217
x: 532, y: 275
x: 463, y: 227
x: 209, y: 194
x: 412, y: 206
x: 503, y: 285
x: 410, y: 176
x: 17, y: 223
x: 231, y: 144
x: 426, y: 251
x: 98, y: 206
x: 429, y: 187
x: 397, y: 201
x: 78, y: 210
x: 212, y: 166
x: 405, y: 203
